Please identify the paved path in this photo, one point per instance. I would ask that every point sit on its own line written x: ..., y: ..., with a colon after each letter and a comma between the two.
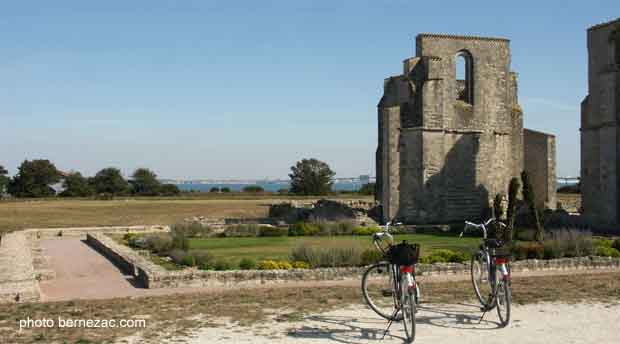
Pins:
x: 549, y: 323
x: 81, y: 272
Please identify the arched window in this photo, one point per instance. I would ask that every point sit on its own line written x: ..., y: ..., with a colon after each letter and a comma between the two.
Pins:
x: 464, y: 77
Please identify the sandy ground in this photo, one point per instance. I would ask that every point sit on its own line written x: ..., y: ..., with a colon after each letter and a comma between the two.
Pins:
x: 548, y: 323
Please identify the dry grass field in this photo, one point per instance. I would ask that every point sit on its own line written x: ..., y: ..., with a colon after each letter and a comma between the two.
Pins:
x: 51, y: 213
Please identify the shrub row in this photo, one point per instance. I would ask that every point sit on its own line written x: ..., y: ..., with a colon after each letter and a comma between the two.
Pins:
x: 558, y: 244
x: 253, y: 230
x: 329, y: 229
x: 445, y: 256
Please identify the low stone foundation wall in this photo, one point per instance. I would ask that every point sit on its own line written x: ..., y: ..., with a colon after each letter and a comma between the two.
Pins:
x: 151, y: 275
x: 81, y: 232
x: 125, y: 258
x: 18, y: 280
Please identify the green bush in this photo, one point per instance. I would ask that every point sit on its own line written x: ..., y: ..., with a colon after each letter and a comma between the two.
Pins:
x: 253, y: 188
x: 159, y: 243
x: 328, y: 256
x: 137, y: 241
x: 191, y: 229
x: 129, y: 236
x: 300, y: 265
x: 445, y: 256
x: 371, y: 256
x: 616, y: 244
x: 366, y: 230
x: 179, y: 240
x: 303, y: 229
x: 188, y: 260
x: 603, y: 251
x: 268, y: 231
x: 222, y: 265
x: 204, y: 259
x: 275, y: 265
x: 177, y: 256
x: 247, y: 264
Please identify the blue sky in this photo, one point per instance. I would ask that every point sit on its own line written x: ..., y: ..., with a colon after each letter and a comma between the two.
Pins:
x: 218, y: 89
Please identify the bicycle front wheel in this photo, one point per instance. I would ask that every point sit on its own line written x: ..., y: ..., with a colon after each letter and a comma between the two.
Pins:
x: 502, y: 300
x: 408, y: 311
x: 378, y: 288
x: 480, y: 277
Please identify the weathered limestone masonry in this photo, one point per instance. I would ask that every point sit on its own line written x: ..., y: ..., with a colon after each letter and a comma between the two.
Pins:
x: 600, y: 137
x: 18, y: 282
x: 539, y: 161
x: 447, y: 146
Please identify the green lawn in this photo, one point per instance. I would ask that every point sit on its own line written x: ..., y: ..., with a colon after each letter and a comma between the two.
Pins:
x: 279, y: 248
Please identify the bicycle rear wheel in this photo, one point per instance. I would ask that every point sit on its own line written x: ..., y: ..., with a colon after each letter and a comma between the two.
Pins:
x: 378, y: 288
x: 502, y: 300
x: 480, y: 277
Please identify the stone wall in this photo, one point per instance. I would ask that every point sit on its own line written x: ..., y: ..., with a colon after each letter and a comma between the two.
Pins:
x: 127, y: 259
x: 18, y: 280
x: 600, y: 137
x: 539, y: 162
x: 153, y: 276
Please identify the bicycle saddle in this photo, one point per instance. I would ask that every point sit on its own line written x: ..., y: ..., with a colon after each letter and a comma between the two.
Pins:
x: 493, y: 243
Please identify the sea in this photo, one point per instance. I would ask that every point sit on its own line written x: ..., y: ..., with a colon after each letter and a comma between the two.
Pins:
x: 267, y: 186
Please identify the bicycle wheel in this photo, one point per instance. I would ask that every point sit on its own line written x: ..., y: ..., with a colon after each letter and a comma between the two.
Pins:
x: 378, y: 290
x: 480, y: 277
x: 502, y: 300
x: 408, y: 311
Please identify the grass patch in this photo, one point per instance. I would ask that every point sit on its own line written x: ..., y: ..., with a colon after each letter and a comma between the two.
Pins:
x: 279, y: 248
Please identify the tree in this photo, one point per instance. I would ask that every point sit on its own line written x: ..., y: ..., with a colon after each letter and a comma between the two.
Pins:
x: 511, y: 212
x: 253, y: 188
x: 34, y: 178
x: 214, y: 189
x: 530, y: 199
x: 76, y: 185
x: 367, y: 189
x: 311, y: 177
x: 144, y: 182
x: 4, y: 179
x: 110, y: 181
x: 225, y: 189
x: 170, y: 190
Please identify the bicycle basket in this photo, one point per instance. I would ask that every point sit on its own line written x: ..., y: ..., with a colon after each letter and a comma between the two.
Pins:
x: 404, y: 254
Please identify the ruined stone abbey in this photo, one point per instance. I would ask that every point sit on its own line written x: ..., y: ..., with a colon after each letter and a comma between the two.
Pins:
x: 449, y: 142
x: 600, y: 132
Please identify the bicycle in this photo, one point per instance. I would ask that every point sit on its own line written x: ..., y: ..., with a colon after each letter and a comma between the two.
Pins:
x: 390, y: 287
x: 491, y: 267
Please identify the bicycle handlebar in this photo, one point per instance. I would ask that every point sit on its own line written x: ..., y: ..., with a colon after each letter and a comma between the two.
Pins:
x: 482, y: 226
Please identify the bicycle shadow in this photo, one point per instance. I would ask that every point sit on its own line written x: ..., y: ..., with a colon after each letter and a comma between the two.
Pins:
x: 466, y: 316
x: 354, y: 330
x: 350, y: 330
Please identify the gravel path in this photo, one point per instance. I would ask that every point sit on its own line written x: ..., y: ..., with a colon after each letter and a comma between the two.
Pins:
x: 81, y: 272
x: 549, y: 323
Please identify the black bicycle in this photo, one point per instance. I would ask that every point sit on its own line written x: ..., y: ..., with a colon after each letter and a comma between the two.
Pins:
x: 490, y: 273
x: 389, y: 287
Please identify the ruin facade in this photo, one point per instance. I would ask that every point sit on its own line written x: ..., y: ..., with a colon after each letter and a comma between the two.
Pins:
x: 449, y: 142
x: 600, y: 135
